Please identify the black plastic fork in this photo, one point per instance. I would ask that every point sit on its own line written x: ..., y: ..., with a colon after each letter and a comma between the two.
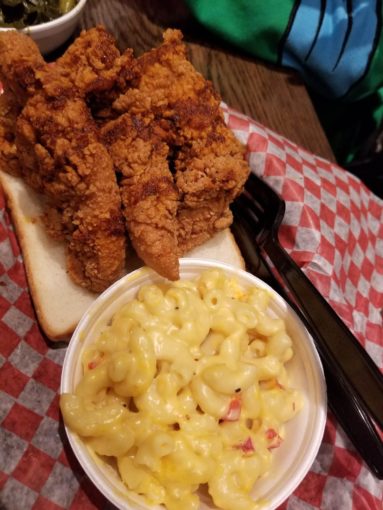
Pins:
x: 354, y: 382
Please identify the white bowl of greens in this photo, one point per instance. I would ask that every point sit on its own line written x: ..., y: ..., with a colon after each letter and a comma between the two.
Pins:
x: 49, y: 22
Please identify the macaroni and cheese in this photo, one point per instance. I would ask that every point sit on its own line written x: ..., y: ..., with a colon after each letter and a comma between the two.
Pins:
x: 187, y: 386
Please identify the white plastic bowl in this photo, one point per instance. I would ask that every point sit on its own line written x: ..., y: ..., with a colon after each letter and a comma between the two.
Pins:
x: 304, y: 433
x: 50, y: 35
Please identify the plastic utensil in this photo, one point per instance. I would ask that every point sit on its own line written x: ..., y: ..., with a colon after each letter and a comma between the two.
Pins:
x: 355, y: 384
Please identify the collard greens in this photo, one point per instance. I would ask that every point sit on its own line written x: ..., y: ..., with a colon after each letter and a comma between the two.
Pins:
x: 23, y: 13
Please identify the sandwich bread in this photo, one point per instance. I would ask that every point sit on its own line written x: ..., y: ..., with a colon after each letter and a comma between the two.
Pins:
x: 60, y: 303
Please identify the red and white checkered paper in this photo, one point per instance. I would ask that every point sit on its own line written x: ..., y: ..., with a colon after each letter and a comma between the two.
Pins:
x: 333, y: 228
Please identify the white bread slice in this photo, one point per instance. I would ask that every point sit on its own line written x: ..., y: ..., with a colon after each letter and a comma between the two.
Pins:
x: 59, y: 303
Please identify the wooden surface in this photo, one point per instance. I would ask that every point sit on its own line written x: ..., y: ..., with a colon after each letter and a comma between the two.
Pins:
x: 274, y: 97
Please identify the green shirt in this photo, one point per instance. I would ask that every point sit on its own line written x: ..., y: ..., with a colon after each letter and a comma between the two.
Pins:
x: 335, y: 45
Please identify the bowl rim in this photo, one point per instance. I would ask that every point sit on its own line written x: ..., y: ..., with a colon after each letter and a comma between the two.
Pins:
x: 201, y: 264
x: 52, y: 23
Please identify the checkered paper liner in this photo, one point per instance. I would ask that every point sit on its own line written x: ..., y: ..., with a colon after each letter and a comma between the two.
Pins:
x: 333, y: 229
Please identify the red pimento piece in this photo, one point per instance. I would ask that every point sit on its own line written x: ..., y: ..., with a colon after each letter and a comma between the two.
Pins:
x: 234, y: 411
x: 247, y: 446
x: 271, y: 434
x: 94, y: 363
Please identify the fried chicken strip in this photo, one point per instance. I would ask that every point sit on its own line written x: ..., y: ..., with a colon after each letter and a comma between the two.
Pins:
x: 94, y: 64
x: 97, y: 69
x: 210, y: 167
x: 62, y: 157
x: 9, y: 111
x: 149, y: 196
x: 19, y: 58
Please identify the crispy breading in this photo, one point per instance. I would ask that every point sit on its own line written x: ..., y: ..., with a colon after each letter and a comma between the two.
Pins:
x: 156, y: 122
x: 210, y: 167
x: 96, y: 68
x: 9, y: 111
x: 149, y: 196
x: 19, y: 58
x: 63, y: 158
x: 60, y: 155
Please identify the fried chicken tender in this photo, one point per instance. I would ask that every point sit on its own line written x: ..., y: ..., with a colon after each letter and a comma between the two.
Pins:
x: 97, y: 69
x: 154, y: 121
x: 9, y: 111
x: 61, y: 156
x: 210, y: 167
x: 20, y: 58
x: 149, y: 196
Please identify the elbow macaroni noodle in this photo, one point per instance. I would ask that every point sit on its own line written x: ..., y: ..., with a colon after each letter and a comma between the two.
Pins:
x: 187, y: 386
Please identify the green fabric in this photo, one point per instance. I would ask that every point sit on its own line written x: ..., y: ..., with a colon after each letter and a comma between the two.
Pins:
x: 373, y: 81
x: 261, y: 27
x: 255, y: 26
